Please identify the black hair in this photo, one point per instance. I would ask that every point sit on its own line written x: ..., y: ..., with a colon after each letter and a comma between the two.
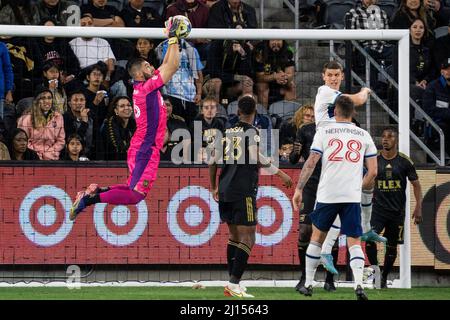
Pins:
x: 345, y: 106
x: 50, y: 64
x: 47, y: 19
x: 392, y: 129
x: 115, y: 101
x: 100, y: 66
x: 77, y: 91
x: 247, y: 105
x: 133, y: 65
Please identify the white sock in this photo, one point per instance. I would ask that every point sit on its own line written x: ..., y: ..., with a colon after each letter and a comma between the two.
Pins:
x: 366, y: 209
x: 357, y: 263
x: 332, y: 236
x: 312, y: 262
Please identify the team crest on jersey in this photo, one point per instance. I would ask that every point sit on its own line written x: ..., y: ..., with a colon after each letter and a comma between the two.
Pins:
x: 154, y: 77
x: 137, y: 111
x: 257, y: 138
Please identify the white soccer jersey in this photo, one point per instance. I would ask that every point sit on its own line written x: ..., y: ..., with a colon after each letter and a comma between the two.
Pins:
x: 324, y: 105
x: 343, y: 147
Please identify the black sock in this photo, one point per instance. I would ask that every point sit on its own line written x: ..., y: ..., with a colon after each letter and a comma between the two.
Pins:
x: 389, y: 259
x: 231, y: 251
x: 240, y: 262
x: 92, y: 199
x: 371, y: 252
x: 302, y: 246
x: 335, y: 254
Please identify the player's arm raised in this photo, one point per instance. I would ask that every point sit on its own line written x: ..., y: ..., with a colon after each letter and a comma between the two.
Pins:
x: 171, y: 60
x: 361, y: 97
x: 306, y: 172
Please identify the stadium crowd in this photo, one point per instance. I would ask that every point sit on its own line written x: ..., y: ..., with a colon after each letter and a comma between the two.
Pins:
x: 69, y: 99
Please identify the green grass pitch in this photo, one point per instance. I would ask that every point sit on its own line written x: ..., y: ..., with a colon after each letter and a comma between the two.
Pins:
x: 211, y: 293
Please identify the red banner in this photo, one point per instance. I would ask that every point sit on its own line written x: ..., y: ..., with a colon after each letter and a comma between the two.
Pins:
x: 178, y: 222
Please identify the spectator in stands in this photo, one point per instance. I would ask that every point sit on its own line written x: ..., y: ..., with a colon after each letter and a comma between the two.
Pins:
x: 6, y: 78
x: 145, y: 49
x: 58, y: 51
x: 52, y: 81
x: 275, y: 71
x: 197, y: 12
x: 232, y: 14
x: 74, y: 149
x: 442, y: 48
x: 408, y: 11
x: 18, y: 146
x: 289, y: 128
x: 174, y: 122
x: 436, y: 101
x: 229, y: 64
x: 134, y: 14
x: 438, y: 10
x: 58, y: 10
x: 78, y: 121
x: 4, y: 153
x: 210, y: 125
x: 102, y: 14
x: 185, y: 86
x: 97, y: 96
x: 26, y: 60
x: 118, y: 129
x: 44, y: 127
x: 91, y: 50
x: 367, y: 15
x: 21, y: 12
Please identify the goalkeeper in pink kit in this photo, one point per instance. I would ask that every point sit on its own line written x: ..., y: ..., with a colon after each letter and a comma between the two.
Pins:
x: 150, y: 114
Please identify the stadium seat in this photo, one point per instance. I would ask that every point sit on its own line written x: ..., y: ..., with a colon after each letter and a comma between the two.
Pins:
x: 118, y: 4
x: 335, y: 11
x: 221, y: 111
x: 158, y: 5
x: 233, y: 107
x: 389, y: 6
x: 440, y: 32
x: 23, y: 104
x: 285, y: 109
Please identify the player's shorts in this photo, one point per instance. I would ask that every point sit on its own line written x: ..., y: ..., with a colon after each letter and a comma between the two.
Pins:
x: 324, y: 215
x: 143, y: 169
x: 393, y: 228
x: 239, y: 212
x: 308, y: 203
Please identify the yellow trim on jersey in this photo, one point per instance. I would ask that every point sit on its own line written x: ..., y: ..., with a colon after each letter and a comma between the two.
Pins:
x: 250, y: 215
x: 405, y: 157
x: 244, y: 248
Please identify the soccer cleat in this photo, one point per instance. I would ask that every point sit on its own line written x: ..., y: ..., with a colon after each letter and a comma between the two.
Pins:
x: 372, y: 236
x: 329, y: 286
x: 306, y: 291
x: 327, y: 261
x: 300, y: 284
x: 233, y: 290
x: 360, y: 294
x: 78, y: 206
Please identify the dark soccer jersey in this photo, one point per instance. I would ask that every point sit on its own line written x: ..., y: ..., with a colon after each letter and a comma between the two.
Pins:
x: 305, y: 136
x: 239, y: 177
x: 390, y: 185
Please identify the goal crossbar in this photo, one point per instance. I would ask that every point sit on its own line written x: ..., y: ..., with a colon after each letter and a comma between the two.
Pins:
x: 402, y: 36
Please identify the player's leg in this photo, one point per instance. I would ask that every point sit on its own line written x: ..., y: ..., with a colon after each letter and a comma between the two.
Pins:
x: 378, y: 223
x: 329, y: 279
x: 394, y: 234
x: 326, y: 258
x: 366, y: 209
x: 305, y: 231
x: 351, y: 226
x: 322, y: 218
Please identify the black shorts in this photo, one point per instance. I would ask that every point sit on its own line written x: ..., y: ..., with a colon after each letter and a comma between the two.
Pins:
x: 239, y: 212
x: 393, y: 228
x: 308, y: 203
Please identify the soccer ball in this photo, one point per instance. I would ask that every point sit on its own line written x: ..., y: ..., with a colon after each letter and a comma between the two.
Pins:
x: 185, y: 26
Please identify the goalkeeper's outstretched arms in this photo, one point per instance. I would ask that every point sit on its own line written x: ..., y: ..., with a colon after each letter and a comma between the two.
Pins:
x: 171, y: 60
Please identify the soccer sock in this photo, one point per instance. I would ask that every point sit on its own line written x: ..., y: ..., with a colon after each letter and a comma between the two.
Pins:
x: 121, y: 196
x: 357, y: 263
x: 332, y: 236
x: 389, y: 259
x: 366, y: 209
x: 231, y: 251
x: 90, y: 200
x: 302, y: 247
x: 312, y: 261
x: 334, y: 253
x: 371, y: 252
x: 240, y: 262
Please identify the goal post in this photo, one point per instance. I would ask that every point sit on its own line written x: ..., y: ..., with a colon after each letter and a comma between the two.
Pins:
x: 402, y: 36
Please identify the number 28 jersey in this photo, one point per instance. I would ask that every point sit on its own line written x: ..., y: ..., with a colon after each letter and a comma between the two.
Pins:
x: 343, y: 147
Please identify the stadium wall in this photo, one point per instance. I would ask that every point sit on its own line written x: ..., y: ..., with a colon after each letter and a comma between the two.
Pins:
x: 177, y: 223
